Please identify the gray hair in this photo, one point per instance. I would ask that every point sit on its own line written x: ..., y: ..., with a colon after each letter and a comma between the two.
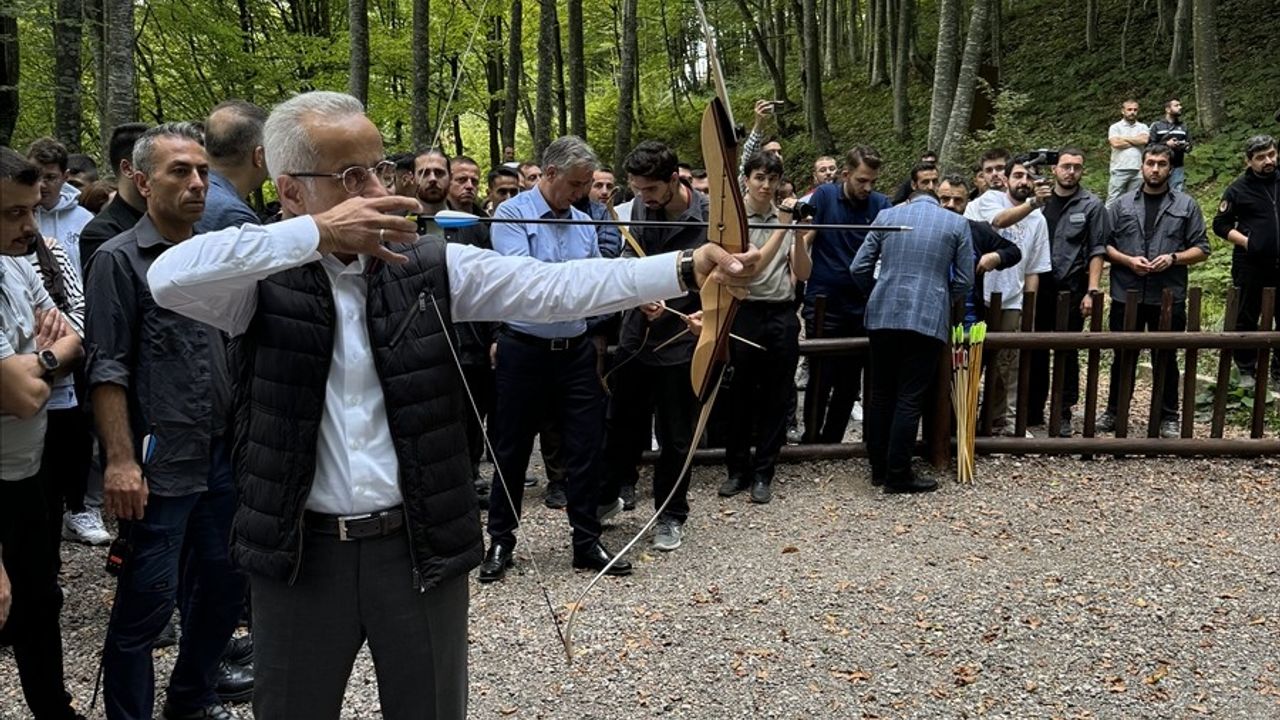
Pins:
x: 567, y: 152
x: 289, y: 148
x: 1257, y: 144
x: 144, y: 148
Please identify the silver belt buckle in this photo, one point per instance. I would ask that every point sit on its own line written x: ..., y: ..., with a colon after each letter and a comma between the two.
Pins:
x: 560, y: 344
x: 342, y: 524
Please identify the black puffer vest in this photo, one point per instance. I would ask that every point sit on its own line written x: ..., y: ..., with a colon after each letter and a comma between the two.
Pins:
x: 283, y: 362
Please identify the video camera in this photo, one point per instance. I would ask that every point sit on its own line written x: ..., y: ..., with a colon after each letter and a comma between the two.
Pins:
x: 1032, y: 160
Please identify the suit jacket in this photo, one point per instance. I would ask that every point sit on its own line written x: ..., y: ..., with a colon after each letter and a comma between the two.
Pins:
x: 922, y: 270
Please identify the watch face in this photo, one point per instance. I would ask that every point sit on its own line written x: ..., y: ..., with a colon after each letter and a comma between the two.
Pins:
x: 48, y: 360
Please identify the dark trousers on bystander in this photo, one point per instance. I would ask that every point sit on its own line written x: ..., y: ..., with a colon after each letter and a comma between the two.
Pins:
x: 1148, y: 320
x: 1046, y: 320
x: 762, y: 386
x: 835, y: 381
x: 1251, y: 275
x: 903, y: 364
x: 533, y: 380
x: 147, y: 591
x: 641, y: 394
x: 32, y: 627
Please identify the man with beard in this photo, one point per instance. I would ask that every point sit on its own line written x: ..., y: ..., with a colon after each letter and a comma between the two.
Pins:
x: 161, y: 392
x: 992, y: 251
x: 504, y: 184
x: 835, y: 383
x: 1126, y: 137
x: 1031, y: 235
x: 651, y: 380
x: 990, y: 173
x: 1156, y: 233
x: 1249, y: 218
x: 1170, y: 130
x: 1078, y: 231
x: 431, y: 170
x: 36, y: 348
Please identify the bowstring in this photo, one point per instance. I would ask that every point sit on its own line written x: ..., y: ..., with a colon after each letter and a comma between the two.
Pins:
x: 497, y: 470
x: 475, y: 29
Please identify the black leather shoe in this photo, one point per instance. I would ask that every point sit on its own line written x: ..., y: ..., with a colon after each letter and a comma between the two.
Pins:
x: 213, y: 712
x: 239, y: 650
x: 235, y: 683
x: 909, y: 482
x: 733, y: 485
x: 761, y: 491
x: 596, y: 557
x: 496, y: 561
x: 556, y: 499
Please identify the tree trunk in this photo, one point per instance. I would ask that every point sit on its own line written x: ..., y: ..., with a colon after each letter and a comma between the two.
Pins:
x: 880, y: 49
x: 944, y: 71
x: 814, y: 107
x: 780, y: 54
x: 626, y: 83
x: 358, y: 73
x: 997, y: 37
x: 122, y: 89
x: 577, y: 73
x: 1204, y: 26
x: 1178, y: 52
x: 854, y: 42
x: 1164, y: 19
x: 419, y: 115
x: 67, y: 29
x: 901, y: 68
x: 831, y: 29
x: 95, y: 21
x: 542, y: 118
x: 966, y: 84
x: 562, y: 102
x: 1090, y: 24
x: 9, y: 63
x: 515, y: 70
x: 770, y: 63
x: 493, y: 83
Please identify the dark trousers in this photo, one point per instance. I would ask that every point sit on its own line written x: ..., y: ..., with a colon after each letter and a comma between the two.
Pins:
x: 68, y: 454
x: 835, y: 382
x: 1046, y: 321
x: 641, y: 395
x: 480, y: 380
x: 532, y: 381
x: 903, y: 364
x: 306, y: 635
x: 1251, y: 275
x: 1126, y: 361
x: 147, y: 591
x: 33, y: 626
x: 762, y: 387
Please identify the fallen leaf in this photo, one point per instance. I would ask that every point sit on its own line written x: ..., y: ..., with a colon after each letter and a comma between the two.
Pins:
x: 966, y: 674
x: 790, y: 549
x: 1116, y: 684
x: 1156, y: 676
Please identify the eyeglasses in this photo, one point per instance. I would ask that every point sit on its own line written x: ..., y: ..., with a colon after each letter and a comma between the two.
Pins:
x: 355, y: 177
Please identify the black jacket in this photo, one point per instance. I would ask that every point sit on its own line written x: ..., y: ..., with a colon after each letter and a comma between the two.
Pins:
x: 1080, y: 235
x: 285, y: 357
x: 985, y: 240
x: 474, y: 338
x: 1251, y: 204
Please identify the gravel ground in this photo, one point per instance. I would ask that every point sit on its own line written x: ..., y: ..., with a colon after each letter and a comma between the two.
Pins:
x: 1052, y: 588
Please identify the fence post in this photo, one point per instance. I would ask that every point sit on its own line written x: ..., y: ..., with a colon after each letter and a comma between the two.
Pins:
x: 1056, y: 402
x: 994, y: 313
x: 813, y: 392
x: 1094, y: 371
x: 1024, y: 366
x: 1261, y: 371
x: 1126, y: 363
x: 1160, y: 361
x: 1192, y: 360
x: 1224, y: 367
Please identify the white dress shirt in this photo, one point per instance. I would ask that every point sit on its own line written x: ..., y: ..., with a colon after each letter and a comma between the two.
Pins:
x: 213, y: 278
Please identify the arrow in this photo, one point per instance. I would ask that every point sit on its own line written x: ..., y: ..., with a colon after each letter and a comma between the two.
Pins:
x: 452, y: 219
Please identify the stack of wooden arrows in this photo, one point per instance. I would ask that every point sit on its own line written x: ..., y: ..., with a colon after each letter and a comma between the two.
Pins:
x: 966, y: 374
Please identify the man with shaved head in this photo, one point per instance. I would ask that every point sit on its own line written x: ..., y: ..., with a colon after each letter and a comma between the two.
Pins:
x: 237, y: 164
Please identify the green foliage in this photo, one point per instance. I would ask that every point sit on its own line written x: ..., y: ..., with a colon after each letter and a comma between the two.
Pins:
x: 1238, y: 403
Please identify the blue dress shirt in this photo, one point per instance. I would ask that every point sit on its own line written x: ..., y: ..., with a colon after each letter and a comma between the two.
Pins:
x: 548, y: 243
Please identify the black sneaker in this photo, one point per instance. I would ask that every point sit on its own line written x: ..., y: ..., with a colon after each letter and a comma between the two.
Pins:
x: 168, y: 637
x: 556, y: 498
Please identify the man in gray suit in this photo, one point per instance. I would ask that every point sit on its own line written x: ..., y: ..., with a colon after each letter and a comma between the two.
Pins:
x: 922, y: 272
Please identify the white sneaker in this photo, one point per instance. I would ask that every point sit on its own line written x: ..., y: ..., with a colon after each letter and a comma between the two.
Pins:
x: 669, y: 535
x: 857, y: 411
x: 85, y: 527
x: 605, y: 512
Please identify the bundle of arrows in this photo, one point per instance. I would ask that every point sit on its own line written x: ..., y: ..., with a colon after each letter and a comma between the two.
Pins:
x: 966, y: 373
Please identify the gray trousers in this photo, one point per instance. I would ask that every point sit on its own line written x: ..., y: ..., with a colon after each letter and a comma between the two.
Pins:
x: 1123, y: 182
x: 306, y: 636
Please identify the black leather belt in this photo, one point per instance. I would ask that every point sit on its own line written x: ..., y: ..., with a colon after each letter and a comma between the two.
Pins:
x: 554, y: 344
x: 357, y: 527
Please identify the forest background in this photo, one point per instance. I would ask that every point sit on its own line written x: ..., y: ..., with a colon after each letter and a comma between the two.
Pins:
x: 900, y: 75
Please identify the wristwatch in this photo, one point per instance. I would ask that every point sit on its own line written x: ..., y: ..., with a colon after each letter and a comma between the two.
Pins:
x: 1173, y: 258
x: 686, y: 274
x: 48, y: 361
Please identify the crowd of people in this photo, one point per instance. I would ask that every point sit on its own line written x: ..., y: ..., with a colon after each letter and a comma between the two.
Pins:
x: 287, y: 409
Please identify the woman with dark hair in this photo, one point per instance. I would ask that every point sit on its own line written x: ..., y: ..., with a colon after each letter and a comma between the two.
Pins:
x: 96, y: 195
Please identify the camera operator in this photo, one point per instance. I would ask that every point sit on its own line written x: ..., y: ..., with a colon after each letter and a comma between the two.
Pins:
x: 1078, y: 228
x: 1031, y: 234
x: 1170, y: 130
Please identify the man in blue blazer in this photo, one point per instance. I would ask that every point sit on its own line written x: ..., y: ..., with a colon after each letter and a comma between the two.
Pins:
x: 921, y: 272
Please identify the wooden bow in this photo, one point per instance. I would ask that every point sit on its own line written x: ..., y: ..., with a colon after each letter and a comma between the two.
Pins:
x: 727, y: 227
